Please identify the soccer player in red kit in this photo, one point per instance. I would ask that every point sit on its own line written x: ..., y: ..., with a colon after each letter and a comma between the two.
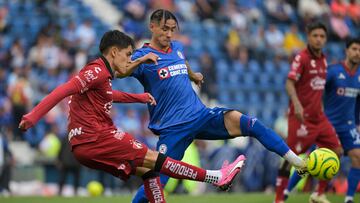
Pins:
x: 96, y: 142
x: 307, y: 123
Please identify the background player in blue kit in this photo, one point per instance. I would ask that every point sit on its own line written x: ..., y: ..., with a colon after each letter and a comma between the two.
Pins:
x: 341, y: 96
x: 341, y: 104
x: 179, y: 116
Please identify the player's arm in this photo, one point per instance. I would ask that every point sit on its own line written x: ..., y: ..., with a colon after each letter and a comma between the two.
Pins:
x: 293, y: 76
x: 132, y: 65
x: 291, y: 91
x: 124, y: 97
x: 58, y: 94
x: 196, y: 77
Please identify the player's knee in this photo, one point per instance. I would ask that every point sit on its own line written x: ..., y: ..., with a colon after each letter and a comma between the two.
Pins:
x: 339, y: 151
x: 355, y: 157
x: 150, y: 159
x: 232, y: 122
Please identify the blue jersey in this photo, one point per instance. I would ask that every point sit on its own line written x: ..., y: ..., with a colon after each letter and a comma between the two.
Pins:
x: 169, y: 83
x: 341, y: 96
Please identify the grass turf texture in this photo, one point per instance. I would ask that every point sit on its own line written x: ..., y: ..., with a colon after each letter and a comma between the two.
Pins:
x: 209, y: 198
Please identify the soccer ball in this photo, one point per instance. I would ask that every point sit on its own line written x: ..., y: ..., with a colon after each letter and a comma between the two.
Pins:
x: 323, y: 164
x: 94, y: 188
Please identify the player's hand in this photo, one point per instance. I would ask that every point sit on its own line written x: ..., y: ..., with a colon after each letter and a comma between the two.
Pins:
x: 151, y: 99
x: 198, y: 79
x: 150, y: 58
x: 299, y: 112
x: 25, y: 124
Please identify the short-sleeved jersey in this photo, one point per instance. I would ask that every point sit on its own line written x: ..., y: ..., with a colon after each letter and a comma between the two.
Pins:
x: 89, y: 113
x: 169, y: 83
x: 341, y: 92
x: 309, y: 73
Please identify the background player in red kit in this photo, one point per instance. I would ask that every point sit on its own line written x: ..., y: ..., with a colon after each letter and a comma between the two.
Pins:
x: 96, y: 142
x: 307, y: 124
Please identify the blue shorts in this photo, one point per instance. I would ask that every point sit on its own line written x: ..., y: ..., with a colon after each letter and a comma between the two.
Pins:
x: 174, y: 140
x: 349, y: 139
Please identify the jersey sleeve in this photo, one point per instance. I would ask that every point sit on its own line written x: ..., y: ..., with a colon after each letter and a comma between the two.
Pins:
x: 296, y: 68
x: 138, y: 72
x: 90, y: 77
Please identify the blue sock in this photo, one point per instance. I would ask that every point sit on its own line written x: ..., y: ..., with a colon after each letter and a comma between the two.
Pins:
x: 294, y: 179
x: 254, y: 128
x: 353, y: 180
x: 140, y: 196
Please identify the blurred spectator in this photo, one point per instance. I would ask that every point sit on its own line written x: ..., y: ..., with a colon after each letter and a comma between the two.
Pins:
x: 67, y: 164
x: 293, y: 41
x: 274, y: 38
x: 19, y: 93
x: 279, y: 10
x: 51, y: 53
x: 36, y: 54
x: 135, y: 12
x: 208, y: 9
x: 17, y: 54
x: 85, y: 34
x: 313, y: 8
x: 339, y: 26
x: 258, y: 44
x: 353, y: 10
x: 4, y: 27
x: 6, y: 163
x: 209, y: 87
x: 3, y: 82
x: 69, y: 36
x: 338, y: 8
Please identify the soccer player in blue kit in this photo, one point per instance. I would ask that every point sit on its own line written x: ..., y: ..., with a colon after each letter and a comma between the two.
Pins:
x: 179, y: 116
x: 341, y: 104
x: 342, y: 93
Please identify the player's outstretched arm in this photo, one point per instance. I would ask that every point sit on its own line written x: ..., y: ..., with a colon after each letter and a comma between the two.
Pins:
x: 58, y: 94
x: 124, y: 97
x: 132, y: 65
x: 196, y: 77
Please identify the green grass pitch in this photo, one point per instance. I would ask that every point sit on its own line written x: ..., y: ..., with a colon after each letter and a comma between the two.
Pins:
x: 209, y: 198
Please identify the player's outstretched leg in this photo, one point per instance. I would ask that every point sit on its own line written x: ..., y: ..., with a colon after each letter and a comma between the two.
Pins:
x: 272, y: 141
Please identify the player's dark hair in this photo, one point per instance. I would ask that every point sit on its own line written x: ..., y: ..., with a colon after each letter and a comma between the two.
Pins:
x: 315, y: 25
x: 160, y: 14
x: 115, y: 38
x: 350, y: 41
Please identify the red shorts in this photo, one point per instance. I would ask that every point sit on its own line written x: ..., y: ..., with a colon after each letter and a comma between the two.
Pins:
x: 303, y: 135
x: 117, y: 153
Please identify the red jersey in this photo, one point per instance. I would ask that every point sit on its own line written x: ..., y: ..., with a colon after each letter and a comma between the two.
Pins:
x: 90, y: 104
x: 309, y: 73
x: 90, y: 109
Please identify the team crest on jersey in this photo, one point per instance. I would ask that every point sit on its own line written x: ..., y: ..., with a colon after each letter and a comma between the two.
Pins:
x: 341, y: 76
x: 163, y: 148
x: 313, y: 63
x: 163, y: 73
x: 180, y: 54
x: 137, y: 144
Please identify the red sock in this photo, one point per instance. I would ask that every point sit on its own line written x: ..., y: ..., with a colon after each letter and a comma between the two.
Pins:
x: 153, y: 190
x: 322, y: 187
x: 181, y: 170
x: 281, y: 184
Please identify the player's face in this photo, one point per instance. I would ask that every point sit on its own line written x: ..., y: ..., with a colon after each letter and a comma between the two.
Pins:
x: 353, y: 53
x: 317, y: 38
x: 122, y: 57
x: 163, y: 32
